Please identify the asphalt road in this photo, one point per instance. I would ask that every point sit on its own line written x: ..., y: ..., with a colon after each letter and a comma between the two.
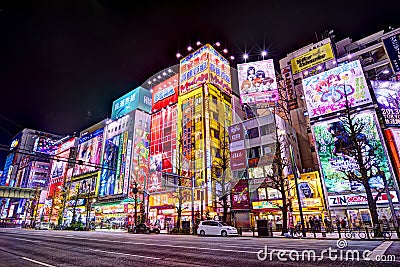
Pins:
x: 19, y: 247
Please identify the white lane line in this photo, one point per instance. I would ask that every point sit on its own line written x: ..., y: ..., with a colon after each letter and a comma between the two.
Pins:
x: 37, y: 262
x: 380, y: 250
x: 23, y: 239
x: 125, y: 254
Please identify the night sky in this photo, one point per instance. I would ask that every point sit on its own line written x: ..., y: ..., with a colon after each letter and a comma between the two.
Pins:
x: 64, y: 62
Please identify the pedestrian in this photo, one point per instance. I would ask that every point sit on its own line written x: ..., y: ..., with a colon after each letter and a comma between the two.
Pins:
x: 318, y: 224
x: 311, y: 222
x: 338, y: 224
x: 343, y: 223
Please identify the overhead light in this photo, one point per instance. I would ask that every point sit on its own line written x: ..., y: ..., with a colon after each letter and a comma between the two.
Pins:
x: 178, y: 55
x: 349, y: 56
x: 218, y: 44
x: 198, y: 43
x: 164, y: 73
x: 189, y: 48
x: 154, y: 80
x: 385, y: 71
x: 232, y: 57
x: 225, y: 50
x: 245, y: 56
x: 264, y: 53
x: 159, y: 77
x: 169, y: 70
x: 149, y: 82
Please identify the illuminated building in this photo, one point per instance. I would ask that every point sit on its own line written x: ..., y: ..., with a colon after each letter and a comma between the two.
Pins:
x: 204, y: 113
x: 125, y: 157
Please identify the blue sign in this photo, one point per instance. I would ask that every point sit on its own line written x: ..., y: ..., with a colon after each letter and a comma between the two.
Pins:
x: 89, y: 136
x: 138, y: 98
x: 392, y: 45
x: 7, y: 165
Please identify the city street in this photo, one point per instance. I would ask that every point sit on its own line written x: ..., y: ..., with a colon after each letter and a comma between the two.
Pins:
x: 19, y: 247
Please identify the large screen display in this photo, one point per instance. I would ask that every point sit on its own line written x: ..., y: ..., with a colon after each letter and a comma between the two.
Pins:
x: 332, y: 139
x: 326, y: 92
x: 89, y: 152
x: 257, y: 82
x: 114, y: 163
x: 387, y: 94
x: 165, y: 93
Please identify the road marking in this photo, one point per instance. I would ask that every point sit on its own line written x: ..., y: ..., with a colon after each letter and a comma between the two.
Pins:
x: 23, y: 239
x: 125, y: 254
x: 37, y: 262
x: 380, y: 250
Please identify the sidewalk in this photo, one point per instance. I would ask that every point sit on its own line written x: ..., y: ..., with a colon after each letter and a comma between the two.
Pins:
x: 309, y: 235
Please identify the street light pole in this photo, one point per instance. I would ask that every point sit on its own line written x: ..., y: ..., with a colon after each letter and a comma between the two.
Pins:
x: 135, y: 191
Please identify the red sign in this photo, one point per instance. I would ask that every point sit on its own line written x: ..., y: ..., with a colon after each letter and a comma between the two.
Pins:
x: 240, y: 196
x: 236, y: 132
x: 165, y: 93
x: 238, y: 159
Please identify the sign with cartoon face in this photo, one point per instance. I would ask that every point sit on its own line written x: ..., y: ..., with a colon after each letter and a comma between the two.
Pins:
x: 257, y: 82
x: 326, y: 92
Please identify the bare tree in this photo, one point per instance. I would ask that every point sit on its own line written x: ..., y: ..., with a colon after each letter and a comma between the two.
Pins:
x: 221, y: 174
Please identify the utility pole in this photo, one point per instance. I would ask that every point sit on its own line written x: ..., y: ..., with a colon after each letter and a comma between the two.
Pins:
x: 135, y: 191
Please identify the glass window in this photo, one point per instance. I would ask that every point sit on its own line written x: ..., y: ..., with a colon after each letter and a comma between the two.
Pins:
x: 252, y: 133
x: 267, y: 129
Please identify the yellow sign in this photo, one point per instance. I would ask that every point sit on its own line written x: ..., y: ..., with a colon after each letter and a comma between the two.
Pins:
x: 313, y: 58
x: 310, y: 191
x: 264, y: 205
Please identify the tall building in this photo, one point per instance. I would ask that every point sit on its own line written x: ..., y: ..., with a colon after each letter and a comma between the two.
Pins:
x: 204, y: 113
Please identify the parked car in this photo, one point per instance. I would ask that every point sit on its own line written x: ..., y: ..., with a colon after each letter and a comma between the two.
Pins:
x: 42, y: 226
x: 215, y: 228
x: 145, y: 229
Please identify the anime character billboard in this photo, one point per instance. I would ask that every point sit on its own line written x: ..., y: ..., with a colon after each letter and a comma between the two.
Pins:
x: 114, y: 163
x: 89, y: 152
x: 387, y: 95
x: 333, y: 143
x: 257, y: 82
x: 326, y: 92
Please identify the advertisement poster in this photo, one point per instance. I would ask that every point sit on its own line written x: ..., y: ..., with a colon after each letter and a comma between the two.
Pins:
x: 194, y: 70
x: 113, y: 172
x: 140, y: 158
x: 257, y: 82
x: 240, y: 196
x: 45, y: 145
x: 39, y: 175
x: 310, y: 190
x: 155, y: 183
x: 139, y: 98
x: 220, y: 71
x: 89, y: 152
x: 205, y: 65
x: 326, y: 92
x: 333, y: 140
x: 387, y: 94
x: 314, y: 57
x: 165, y: 93
x: 392, y: 46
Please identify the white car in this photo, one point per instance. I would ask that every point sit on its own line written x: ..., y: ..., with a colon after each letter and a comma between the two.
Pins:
x: 215, y: 228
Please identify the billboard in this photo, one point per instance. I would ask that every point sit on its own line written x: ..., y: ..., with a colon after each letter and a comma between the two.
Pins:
x: 39, y: 175
x: 332, y: 140
x: 165, y: 93
x: 257, y: 82
x: 310, y: 191
x: 240, y: 196
x: 89, y: 152
x: 326, y: 92
x: 392, y: 46
x: 387, y: 94
x: 114, y: 162
x: 138, y: 98
x: 360, y: 199
x: 205, y: 65
x: 237, y: 147
x: 310, y: 59
x: 45, y: 145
